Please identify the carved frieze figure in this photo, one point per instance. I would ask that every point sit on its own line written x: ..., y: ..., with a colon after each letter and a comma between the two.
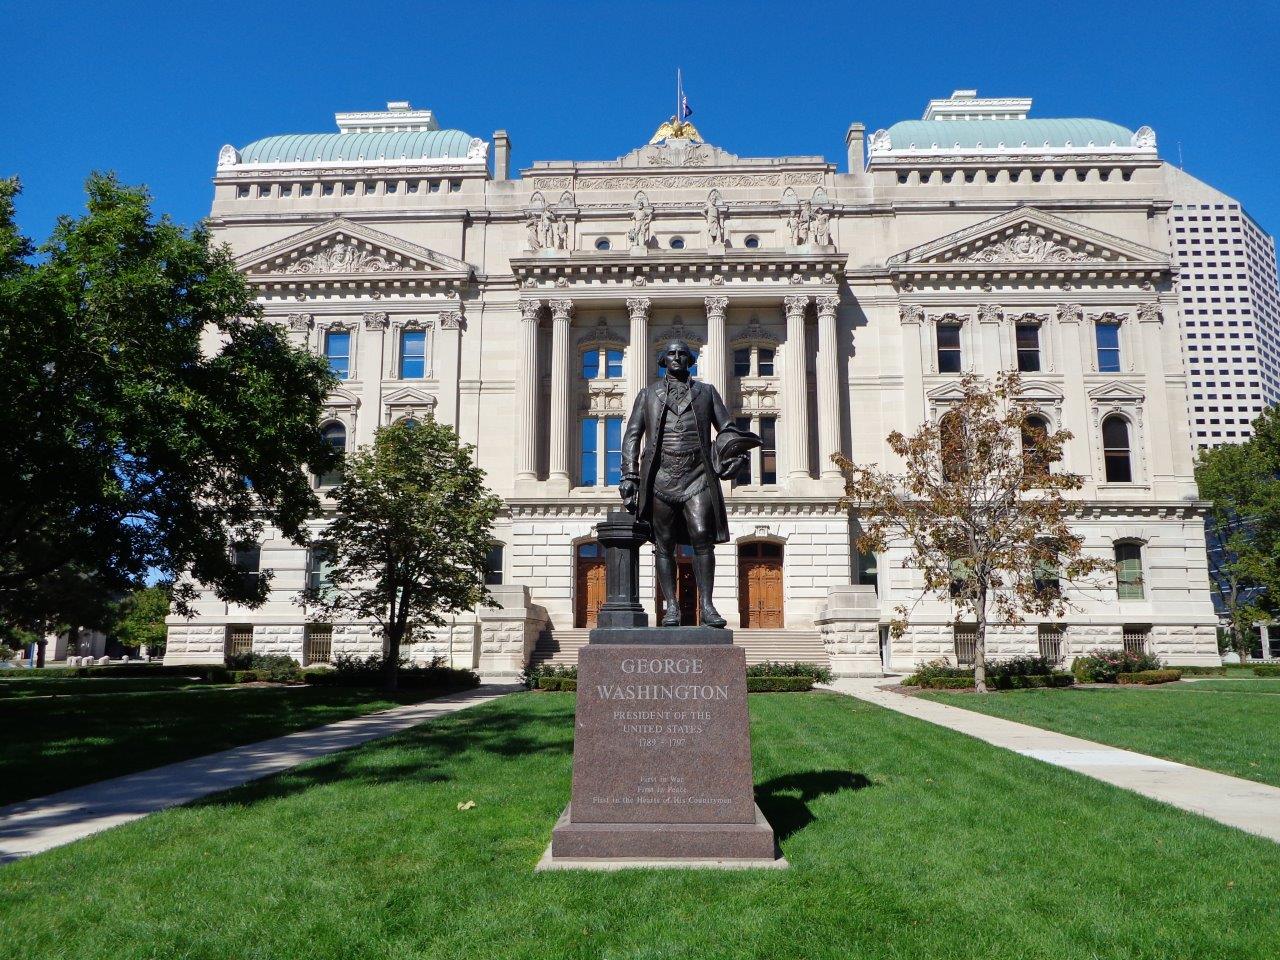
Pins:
x: 714, y: 215
x: 340, y: 258
x: 533, y: 225
x: 641, y: 225
x: 674, y: 483
x: 822, y: 226
x: 546, y: 228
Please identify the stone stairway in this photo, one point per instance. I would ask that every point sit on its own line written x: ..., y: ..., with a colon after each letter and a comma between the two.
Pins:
x: 561, y: 646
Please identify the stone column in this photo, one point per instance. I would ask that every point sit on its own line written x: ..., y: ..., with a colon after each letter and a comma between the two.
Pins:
x: 713, y: 364
x: 795, y: 390
x: 829, y: 405
x: 369, y: 367
x: 526, y: 397
x: 1150, y: 353
x: 991, y: 351
x: 1074, y: 397
x: 561, y: 311
x: 449, y: 357
x: 911, y: 319
x: 638, y: 354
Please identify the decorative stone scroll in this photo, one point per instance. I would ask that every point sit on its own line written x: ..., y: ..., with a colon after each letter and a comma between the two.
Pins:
x: 342, y: 258
x: 1026, y: 248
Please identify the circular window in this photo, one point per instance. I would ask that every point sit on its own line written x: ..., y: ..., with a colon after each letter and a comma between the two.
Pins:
x: 603, y: 244
x: 677, y: 243
x: 751, y: 242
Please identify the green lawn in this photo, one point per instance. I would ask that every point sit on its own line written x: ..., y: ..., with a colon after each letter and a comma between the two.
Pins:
x: 906, y: 841
x: 1219, y: 724
x: 52, y: 743
x: 22, y: 686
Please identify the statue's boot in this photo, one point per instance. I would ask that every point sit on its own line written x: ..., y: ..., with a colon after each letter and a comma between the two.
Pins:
x: 666, y: 570
x: 704, y: 571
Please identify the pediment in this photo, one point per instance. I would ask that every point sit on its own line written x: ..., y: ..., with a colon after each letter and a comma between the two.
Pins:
x: 949, y: 392
x: 1029, y: 238
x: 340, y: 397
x: 409, y: 397
x: 1115, y: 390
x: 341, y: 248
x: 1040, y: 390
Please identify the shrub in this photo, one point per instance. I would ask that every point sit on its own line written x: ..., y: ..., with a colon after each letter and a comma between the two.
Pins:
x: 779, y: 684
x: 205, y: 672
x: 532, y: 674
x: 937, y: 669
x: 352, y: 671
x: 550, y: 683
x: 775, y: 668
x: 1018, y: 681
x: 946, y: 683
x: 1267, y: 670
x: 1103, y: 665
x: 1025, y: 666
x: 1203, y: 671
x: 1148, y: 677
x: 569, y: 684
x: 271, y: 667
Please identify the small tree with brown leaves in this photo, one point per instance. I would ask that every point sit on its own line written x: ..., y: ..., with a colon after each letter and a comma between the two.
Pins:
x: 980, y: 510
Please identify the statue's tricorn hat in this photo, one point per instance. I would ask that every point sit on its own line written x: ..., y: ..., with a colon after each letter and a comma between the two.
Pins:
x: 730, y: 443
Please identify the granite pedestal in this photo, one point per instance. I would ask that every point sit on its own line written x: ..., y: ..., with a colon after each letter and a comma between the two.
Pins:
x: 662, y: 755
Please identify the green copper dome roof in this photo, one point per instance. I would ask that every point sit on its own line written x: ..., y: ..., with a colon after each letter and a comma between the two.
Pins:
x: 338, y: 147
x: 1010, y: 134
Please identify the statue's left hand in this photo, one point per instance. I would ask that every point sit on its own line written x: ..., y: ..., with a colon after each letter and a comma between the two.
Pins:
x: 730, y: 469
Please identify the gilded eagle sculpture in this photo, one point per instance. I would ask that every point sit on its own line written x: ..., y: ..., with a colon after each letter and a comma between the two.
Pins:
x: 674, y: 129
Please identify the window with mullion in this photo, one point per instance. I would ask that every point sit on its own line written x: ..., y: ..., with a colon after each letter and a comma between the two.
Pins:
x: 413, y: 354
x: 949, y: 351
x: 1107, y: 338
x: 1028, y: 340
x: 1129, y: 580
x: 600, y: 452
x: 337, y: 350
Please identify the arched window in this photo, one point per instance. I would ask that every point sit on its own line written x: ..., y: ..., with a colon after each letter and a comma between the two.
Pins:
x: 335, y: 435
x: 752, y: 242
x: 951, y: 436
x: 1035, y: 459
x: 1130, y: 584
x: 1115, y: 449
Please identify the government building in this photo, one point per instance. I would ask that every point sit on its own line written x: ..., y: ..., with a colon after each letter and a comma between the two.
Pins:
x: 829, y: 304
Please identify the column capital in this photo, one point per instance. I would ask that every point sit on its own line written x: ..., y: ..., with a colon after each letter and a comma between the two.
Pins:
x: 1070, y: 313
x: 828, y: 304
x: 910, y: 313
x: 300, y: 321
x: 638, y: 307
x: 561, y: 309
x: 376, y: 320
x: 796, y: 303
x: 1149, y: 312
x: 716, y: 305
x: 990, y: 313
x: 451, y: 320
x: 529, y: 310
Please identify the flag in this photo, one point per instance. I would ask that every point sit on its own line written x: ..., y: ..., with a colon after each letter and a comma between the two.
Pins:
x: 686, y: 111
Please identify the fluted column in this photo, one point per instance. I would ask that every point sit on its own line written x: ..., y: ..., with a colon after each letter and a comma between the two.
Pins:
x: 638, y: 353
x: 795, y: 390
x: 829, y: 405
x: 561, y: 311
x: 527, y: 392
x: 713, y: 362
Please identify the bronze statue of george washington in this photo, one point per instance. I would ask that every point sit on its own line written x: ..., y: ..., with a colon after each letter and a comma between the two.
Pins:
x: 674, y: 484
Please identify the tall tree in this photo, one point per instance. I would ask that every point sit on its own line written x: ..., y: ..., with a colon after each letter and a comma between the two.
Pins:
x: 124, y: 445
x: 139, y: 620
x: 410, y: 536
x: 979, y: 508
x: 1242, y: 484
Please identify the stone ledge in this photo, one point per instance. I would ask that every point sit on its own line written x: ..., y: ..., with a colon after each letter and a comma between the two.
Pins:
x: 614, y: 845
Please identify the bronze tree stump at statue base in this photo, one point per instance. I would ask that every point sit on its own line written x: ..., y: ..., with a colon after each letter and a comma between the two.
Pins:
x: 662, y: 756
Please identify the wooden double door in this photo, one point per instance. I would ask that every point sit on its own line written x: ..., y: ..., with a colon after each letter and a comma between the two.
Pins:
x: 589, y: 584
x: 760, y: 585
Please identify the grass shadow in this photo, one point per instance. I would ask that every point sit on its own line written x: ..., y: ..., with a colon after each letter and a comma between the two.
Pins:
x: 785, y: 800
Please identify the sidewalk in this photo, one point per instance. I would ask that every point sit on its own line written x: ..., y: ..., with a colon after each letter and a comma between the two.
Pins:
x: 1244, y: 804
x: 33, y: 826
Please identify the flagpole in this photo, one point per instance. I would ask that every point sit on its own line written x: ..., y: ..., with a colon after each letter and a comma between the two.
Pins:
x: 679, y: 92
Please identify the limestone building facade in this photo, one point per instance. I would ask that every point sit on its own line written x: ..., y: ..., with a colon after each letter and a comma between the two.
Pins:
x: 829, y: 306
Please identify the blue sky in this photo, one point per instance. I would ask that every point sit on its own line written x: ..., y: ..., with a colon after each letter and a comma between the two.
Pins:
x: 152, y: 90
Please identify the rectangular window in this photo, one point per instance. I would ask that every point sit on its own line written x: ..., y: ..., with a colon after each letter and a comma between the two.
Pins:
x: 965, y: 640
x: 493, y: 566
x: 1134, y: 637
x: 769, y: 450
x: 742, y: 362
x: 1107, y: 336
x: 247, y: 558
x: 337, y: 350
x: 1129, y: 582
x: 319, y: 570
x: 613, y: 364
x: 948, y: 348
x: 590, y: 364
x: 587, y: 469
x: 239, y: 639
x: 1051, y: 642
x: 413, y: 354
x: 319, y: 645
x: 612, y: 451
x: 765, y: 362
x: 1028, y: 336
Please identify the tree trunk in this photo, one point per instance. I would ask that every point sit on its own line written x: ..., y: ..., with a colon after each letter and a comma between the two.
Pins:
x: 391, y: 667
x: 980, y: 642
